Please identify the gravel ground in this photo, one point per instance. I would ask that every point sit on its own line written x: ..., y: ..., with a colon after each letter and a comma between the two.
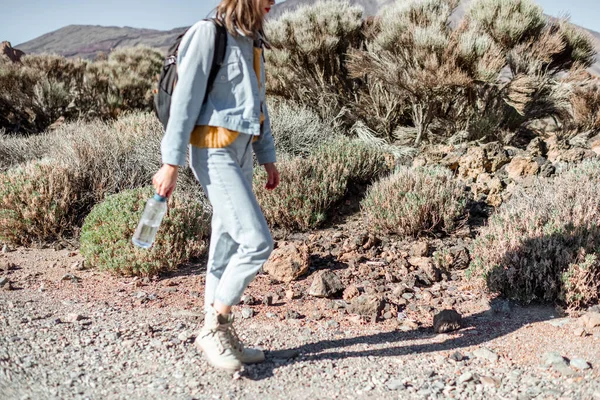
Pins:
x: 67, y: 333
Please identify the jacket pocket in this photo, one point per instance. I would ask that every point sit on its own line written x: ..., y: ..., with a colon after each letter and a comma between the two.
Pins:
x: 230, y: 73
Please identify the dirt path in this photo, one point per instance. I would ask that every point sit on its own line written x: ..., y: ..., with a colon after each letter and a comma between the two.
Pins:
x: 69, y: 333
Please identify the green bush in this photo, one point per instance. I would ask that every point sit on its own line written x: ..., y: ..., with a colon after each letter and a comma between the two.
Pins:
x: 543, y: 244
x: 39, y: 202
x: 311, y: 186
x: 415, y: 201
x: 108, y: 229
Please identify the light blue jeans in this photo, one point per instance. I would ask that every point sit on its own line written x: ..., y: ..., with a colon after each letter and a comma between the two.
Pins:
x: 240, y: 241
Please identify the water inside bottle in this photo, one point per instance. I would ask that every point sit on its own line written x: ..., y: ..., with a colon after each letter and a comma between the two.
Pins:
x: 145, y: 234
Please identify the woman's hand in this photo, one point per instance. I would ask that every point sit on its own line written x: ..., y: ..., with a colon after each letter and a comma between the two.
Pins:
x: 165, y: 179
x: 273, y: 176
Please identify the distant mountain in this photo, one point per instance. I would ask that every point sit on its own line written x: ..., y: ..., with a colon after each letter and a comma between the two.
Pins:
x: 86, y: 41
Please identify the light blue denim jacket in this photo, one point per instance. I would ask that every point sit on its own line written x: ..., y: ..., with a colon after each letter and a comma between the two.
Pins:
x: 233, y: 103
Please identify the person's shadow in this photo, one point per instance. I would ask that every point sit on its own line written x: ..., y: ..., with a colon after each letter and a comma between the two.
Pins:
x: 477, y: 329
x: 535, y: 267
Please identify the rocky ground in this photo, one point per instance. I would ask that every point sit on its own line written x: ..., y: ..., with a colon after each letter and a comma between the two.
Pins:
x: 339, y: 315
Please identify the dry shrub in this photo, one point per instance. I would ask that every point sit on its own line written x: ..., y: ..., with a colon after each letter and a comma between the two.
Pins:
x: 39, y: 202
x: 585, y: 100
x: 297, y: 129
x: 307, y: 63
x: 15, y: 150
x: 415, y: 201
x: 34, y: 94
x: 543, y: 244
x: 107, y: 153
x: 108, y: 229
x: 311, y: 186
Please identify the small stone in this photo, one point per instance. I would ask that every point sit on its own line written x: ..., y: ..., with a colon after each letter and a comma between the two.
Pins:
x: 77, y: 266
x: 70, y: 277
x: 188, y: 314
x: 170, y: 290
x: 580, y: 332
x: 395, y: 384
x: 485, y: 354
x: 268, y: 299
x: 185, y: 336
x: 5, y: 249
x: 247, y: 312
x: 325, y: 284
x: 316, y: 316
x: 489, y: 381
x: 466, y: 377
x: 456, y: 356
x: 74, y: 317
x: 408, y: 326
x: 291, y: 314
x: 580, y: 364
x: 249, y: 300
x: 367, y: 305
x: 4, y: 281
x: 290, y: 294
x: 419, y: 249
x: 590, y: 320
x: 332, y: 324
x: 288, y: 262
x: 350, y: 293
x: 447, y: 321
x: 557, y: 362
x: 271, y: 315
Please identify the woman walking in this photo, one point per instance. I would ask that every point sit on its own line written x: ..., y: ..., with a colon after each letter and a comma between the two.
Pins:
x: 222, y: 130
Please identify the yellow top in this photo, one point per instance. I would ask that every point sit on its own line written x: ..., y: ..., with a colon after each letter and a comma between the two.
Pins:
x: 216, y: 136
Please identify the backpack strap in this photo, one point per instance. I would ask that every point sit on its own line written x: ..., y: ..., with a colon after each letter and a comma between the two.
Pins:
x: 218, y: 57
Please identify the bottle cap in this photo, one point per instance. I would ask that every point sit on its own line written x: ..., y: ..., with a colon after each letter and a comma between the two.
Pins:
x: 160, y: 198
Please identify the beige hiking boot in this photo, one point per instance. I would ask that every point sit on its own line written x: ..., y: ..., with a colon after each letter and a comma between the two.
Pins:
x: 215, y: 341
x: 245, y: 354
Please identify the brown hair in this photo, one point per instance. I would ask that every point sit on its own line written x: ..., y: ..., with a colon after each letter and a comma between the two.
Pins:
x: 245, y: 16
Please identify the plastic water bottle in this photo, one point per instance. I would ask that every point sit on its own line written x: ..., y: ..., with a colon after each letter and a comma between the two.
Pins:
x: 155, y: 210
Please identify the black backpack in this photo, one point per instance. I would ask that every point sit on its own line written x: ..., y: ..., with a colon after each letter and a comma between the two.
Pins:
x: 168, y: 75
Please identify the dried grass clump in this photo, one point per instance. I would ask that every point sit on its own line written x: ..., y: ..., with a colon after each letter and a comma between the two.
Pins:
x: 311, y: 186
x: 415, y: 201
x: 15, y: 150
x: 108, y: 154
x: 108, y: 229
x: 40, y: 202
x: 298, y: 130
x: 543, y: 244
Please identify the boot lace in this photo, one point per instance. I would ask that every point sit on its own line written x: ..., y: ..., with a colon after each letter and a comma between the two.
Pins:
x: 221, y: 338
x: 235, y: 339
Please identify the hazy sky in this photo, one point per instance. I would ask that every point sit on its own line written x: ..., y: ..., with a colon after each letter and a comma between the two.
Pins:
x: 23, y: 20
